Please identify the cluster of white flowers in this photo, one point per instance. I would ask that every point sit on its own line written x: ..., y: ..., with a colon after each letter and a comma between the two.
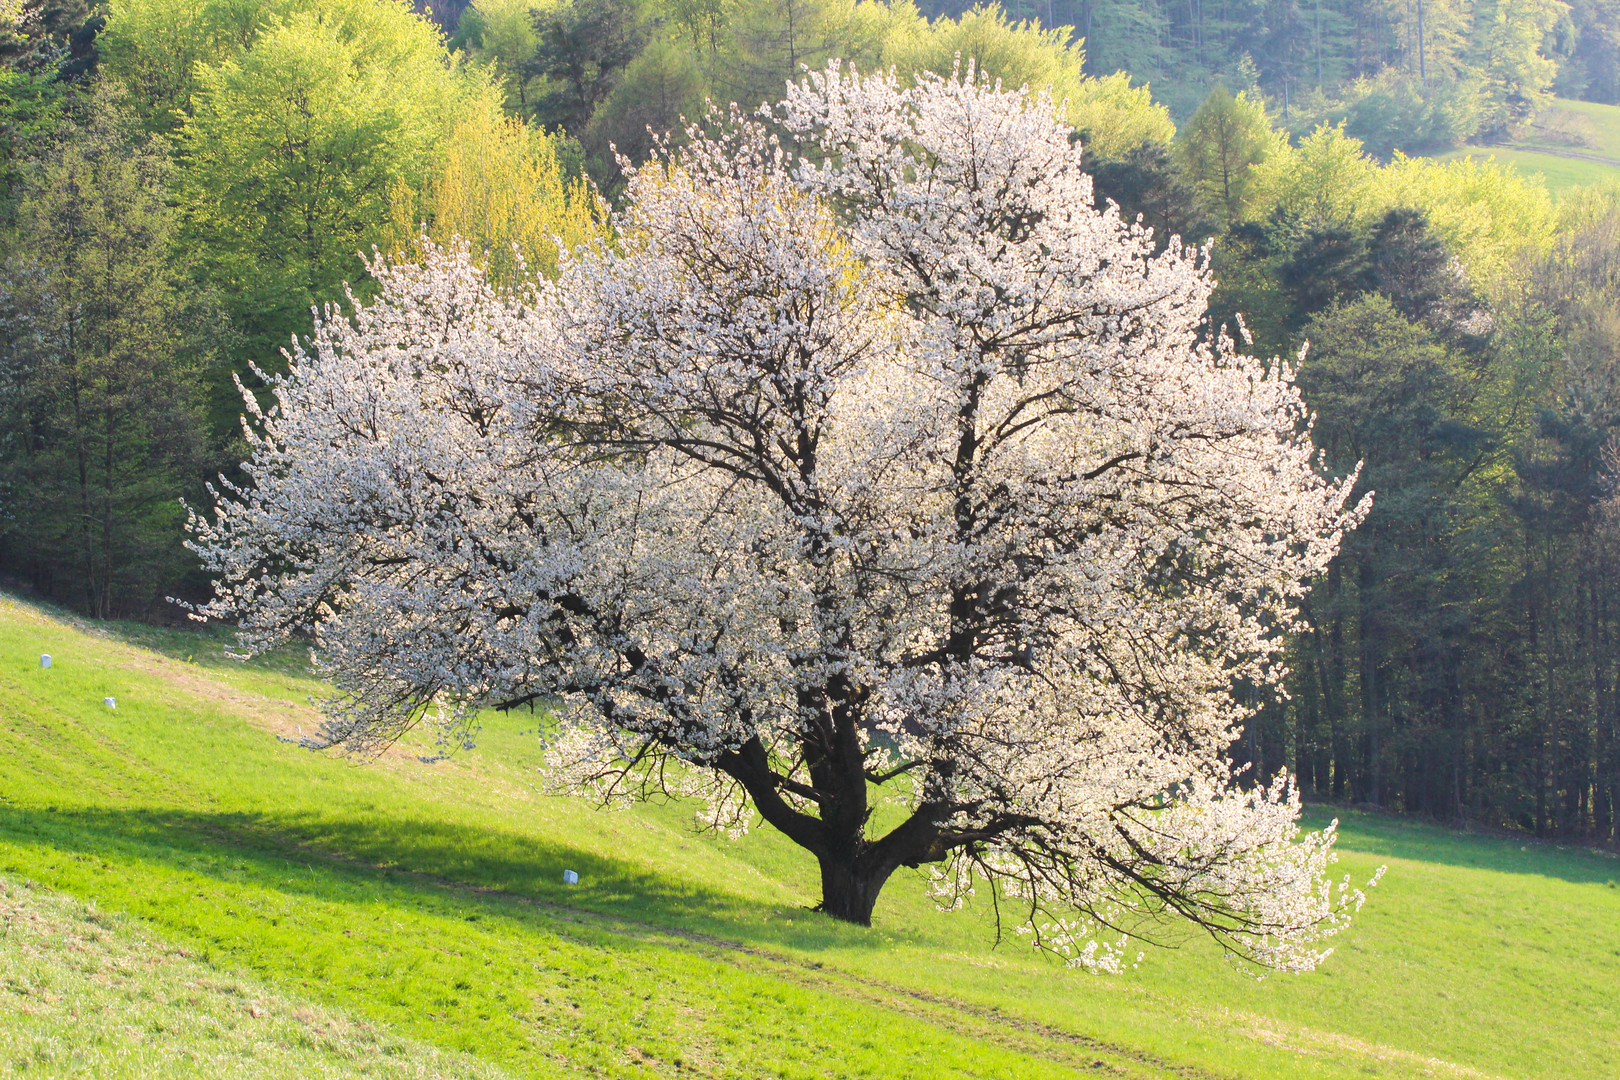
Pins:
x: 885, y: 461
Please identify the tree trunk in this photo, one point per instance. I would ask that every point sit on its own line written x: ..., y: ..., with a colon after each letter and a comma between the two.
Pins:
x: 849, y: 891
x: 1371, y: 702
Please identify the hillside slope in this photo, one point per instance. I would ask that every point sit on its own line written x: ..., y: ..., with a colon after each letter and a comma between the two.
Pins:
x: 1572, y: 143
x: 424, y: 903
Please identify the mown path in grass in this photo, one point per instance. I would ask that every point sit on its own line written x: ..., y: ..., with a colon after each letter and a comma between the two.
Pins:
x: 427, y: 900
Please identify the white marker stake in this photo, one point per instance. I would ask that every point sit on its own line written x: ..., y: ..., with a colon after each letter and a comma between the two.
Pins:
x: 570, y: 878
x: 45, y: 660
x: 111, y: 703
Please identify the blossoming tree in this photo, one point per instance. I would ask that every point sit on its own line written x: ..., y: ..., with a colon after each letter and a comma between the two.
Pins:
x: 887, y: 471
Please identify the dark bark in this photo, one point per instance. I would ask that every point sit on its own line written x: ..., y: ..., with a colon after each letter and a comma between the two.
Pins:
x: 849, y: 891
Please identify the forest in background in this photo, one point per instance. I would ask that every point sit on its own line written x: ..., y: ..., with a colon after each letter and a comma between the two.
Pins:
x: 180, y: 182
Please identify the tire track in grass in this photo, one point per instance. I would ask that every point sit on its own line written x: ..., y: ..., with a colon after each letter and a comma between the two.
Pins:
x: 994, y: 1025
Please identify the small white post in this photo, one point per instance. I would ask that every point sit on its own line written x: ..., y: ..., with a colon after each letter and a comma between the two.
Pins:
x: 44, y: 659
x: 570, y: 877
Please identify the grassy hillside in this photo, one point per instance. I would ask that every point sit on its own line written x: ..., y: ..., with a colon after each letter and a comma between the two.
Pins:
x: 1560, y: 173
x: 1579, y: 126
x: 86, y: 992
x: 420, y: 907
x: 1572, y: 143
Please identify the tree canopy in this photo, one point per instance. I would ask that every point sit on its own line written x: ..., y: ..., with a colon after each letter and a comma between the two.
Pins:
x: 102, y: 340
x: 894, y: 467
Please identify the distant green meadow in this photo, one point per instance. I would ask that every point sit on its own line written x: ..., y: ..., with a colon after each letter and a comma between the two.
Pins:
x: 1559, y: 173
x: 185, y: 894
x: 1595, y: 159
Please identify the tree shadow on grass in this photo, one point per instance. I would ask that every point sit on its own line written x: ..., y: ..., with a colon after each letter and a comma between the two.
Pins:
x: 328, y: 858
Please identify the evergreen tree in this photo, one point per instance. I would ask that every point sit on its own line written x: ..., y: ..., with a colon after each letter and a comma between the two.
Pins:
x: 581, y: 51
x: 1221, y: 145
x: 102, y: 344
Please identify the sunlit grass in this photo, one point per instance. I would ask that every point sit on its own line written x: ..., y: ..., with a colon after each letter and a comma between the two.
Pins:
x: 86, y: 993
x: 427, y: 901
x: 1550, y: 152
x: 1560, y: 173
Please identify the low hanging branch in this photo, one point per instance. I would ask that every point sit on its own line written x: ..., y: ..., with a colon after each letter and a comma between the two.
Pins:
x: 896, y: 467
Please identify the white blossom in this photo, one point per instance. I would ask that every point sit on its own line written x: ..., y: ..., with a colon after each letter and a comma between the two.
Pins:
x: 886, y: 462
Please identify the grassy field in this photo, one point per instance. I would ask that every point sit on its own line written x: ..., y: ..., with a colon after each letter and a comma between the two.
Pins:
x: 86, y: 992
x: 1572, y: 143
x: 1560, y: 173
x: 1582, y: 126
x: 224, y: 902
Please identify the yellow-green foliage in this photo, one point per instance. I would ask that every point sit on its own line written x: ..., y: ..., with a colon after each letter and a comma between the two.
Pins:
x: 1509, y: 38
x: 1325, y: 181
x: 155, y: 46
x: 1113, y: 114
x: 295, y: 144
x: 159, y: 47
x: 498, y: 184
x: 1017, y: 53
x: 1495, y: 220
x: 1223, y: 144
x: 1118, y: 116
x: 1586, y: 206
x: 504, y: 38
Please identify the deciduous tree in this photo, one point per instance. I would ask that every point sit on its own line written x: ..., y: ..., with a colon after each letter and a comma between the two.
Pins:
x: 294, y: 150
x: 501, y: 186
x: 894, y: 473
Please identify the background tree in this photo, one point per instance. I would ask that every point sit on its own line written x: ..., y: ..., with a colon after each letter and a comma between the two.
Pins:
x: 1389, y: 394
x: 941, y: 495
x: 46, y: 50
x: 503, y: 35
x: 102, y: 345
x: 660, y: 89
x: 1590, y: 70
x: 1221, y: 145
x: 1508, y: 36
x: 293, y: 153
x: 581, y: 50
x: 504, y: 189
x: 1146, y: 181
x: 1112, y: 115
x: 50, y: 38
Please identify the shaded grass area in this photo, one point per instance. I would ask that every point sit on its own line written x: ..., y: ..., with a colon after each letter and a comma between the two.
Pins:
x: 427, y: 900
x: 1595, y: 128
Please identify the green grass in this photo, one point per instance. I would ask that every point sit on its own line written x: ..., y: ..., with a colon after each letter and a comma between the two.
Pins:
x: 1561, y: 146
x: 1560, y: 173
x: 422, y: 905
x: 86, y: 993
x: 1596, y: 126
